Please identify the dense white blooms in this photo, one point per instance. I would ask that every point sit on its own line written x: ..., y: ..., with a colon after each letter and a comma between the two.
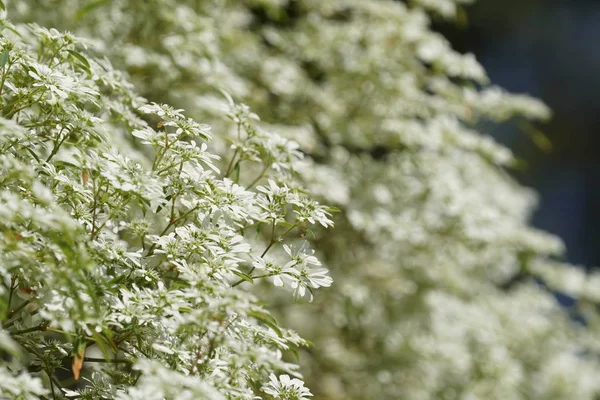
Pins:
x: 127, y: 233
x: 158, y: 382
x: 20, y: 386
x: 124, y: 242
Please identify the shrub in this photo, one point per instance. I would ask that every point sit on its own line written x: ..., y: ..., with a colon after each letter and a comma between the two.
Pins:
x: 442, y: 290
x: 123, y: 244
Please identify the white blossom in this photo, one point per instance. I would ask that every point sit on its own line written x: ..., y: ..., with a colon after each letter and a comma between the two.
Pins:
x: 286, y: 388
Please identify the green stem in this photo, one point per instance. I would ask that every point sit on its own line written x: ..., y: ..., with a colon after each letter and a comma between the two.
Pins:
x: 17, y: 100
x: 151, y: 249
x: 4, y: 75
x: 264, y: 253
x: 160, y: 155
x: 157, y: 157
x: 183, y: 216
x: 265, y: 169
x: 10, y: 294
x: 11, y: 323
x: 27, y: 105
x: 252, y: 277
x: 261, y: 276
x: 16, y: 310
x: 51, y: 384
x: 33, y: 154
x: 235, y: 153
x: 103, y: 360
x: 54, y: 330
x: 57, y: 144
x: 271, y: 242
x: 165, y: 169
x: 94, y: 206
x: 41, y: 327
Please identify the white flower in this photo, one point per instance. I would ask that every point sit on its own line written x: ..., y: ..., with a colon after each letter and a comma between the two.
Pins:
x: 303, y: 254
x: 278, y: 273
x: 286, y: 388
x: 274, y: 190
x: 316, y: 277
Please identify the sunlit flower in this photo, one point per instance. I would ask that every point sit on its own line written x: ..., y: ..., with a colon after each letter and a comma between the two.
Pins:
x: 286, y: 388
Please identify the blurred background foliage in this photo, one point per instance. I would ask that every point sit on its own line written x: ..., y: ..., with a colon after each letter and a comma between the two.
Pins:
x: 548, y: 48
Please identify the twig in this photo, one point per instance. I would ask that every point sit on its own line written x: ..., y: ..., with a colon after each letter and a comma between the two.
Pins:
x: 57, y: 144
x: 103, y: 360
x: 16, y: 310
x: 41, y: 327
x: 265, y: 169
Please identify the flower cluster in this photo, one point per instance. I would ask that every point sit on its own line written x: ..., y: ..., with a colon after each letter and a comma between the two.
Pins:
x: 123, y: 242
x: 443, y: 290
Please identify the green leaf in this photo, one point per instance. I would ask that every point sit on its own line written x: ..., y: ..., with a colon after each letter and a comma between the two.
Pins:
x: 519, y: 164
x: 2, y: 6
x: 462, y: 17
x: 237, y: 172
x: 245, y: 277
x: 89, y: 7
x: 103, y: 345
x: 84, y: 63
x: 538, y: 137
x: 228, y: 97
x: 78, y: 354
x: 266, y: 319
x: 7, y: 110
x: 3, y: 58
x: 295, y: 353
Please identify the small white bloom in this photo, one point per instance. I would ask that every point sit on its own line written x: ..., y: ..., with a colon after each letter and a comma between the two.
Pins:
x: 286, y: 388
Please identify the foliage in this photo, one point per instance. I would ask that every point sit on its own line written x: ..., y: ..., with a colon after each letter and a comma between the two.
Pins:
x: 442, y: 290
x: 126, y: 241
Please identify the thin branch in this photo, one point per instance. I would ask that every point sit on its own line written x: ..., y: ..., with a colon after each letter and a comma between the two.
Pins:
x: 4, y: 75
x: 11, y: 323
x: 10, y: 294
x: 151, y: 249
x: 57, y: 144
x: 168, y: 167
x: 54, y: 330
x: 103, y: 360
x: 265, y: 169
x: 16, y: 310
x: 41, y: 327
x: 271, y: 243
x: 51, y: 384
x: 29, y: 104
x: 37, y: 158
x: 235, y: 153
x: 94, y: 206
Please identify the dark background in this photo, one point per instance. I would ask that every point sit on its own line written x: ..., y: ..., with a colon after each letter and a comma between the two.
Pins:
x: 551, y: 50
